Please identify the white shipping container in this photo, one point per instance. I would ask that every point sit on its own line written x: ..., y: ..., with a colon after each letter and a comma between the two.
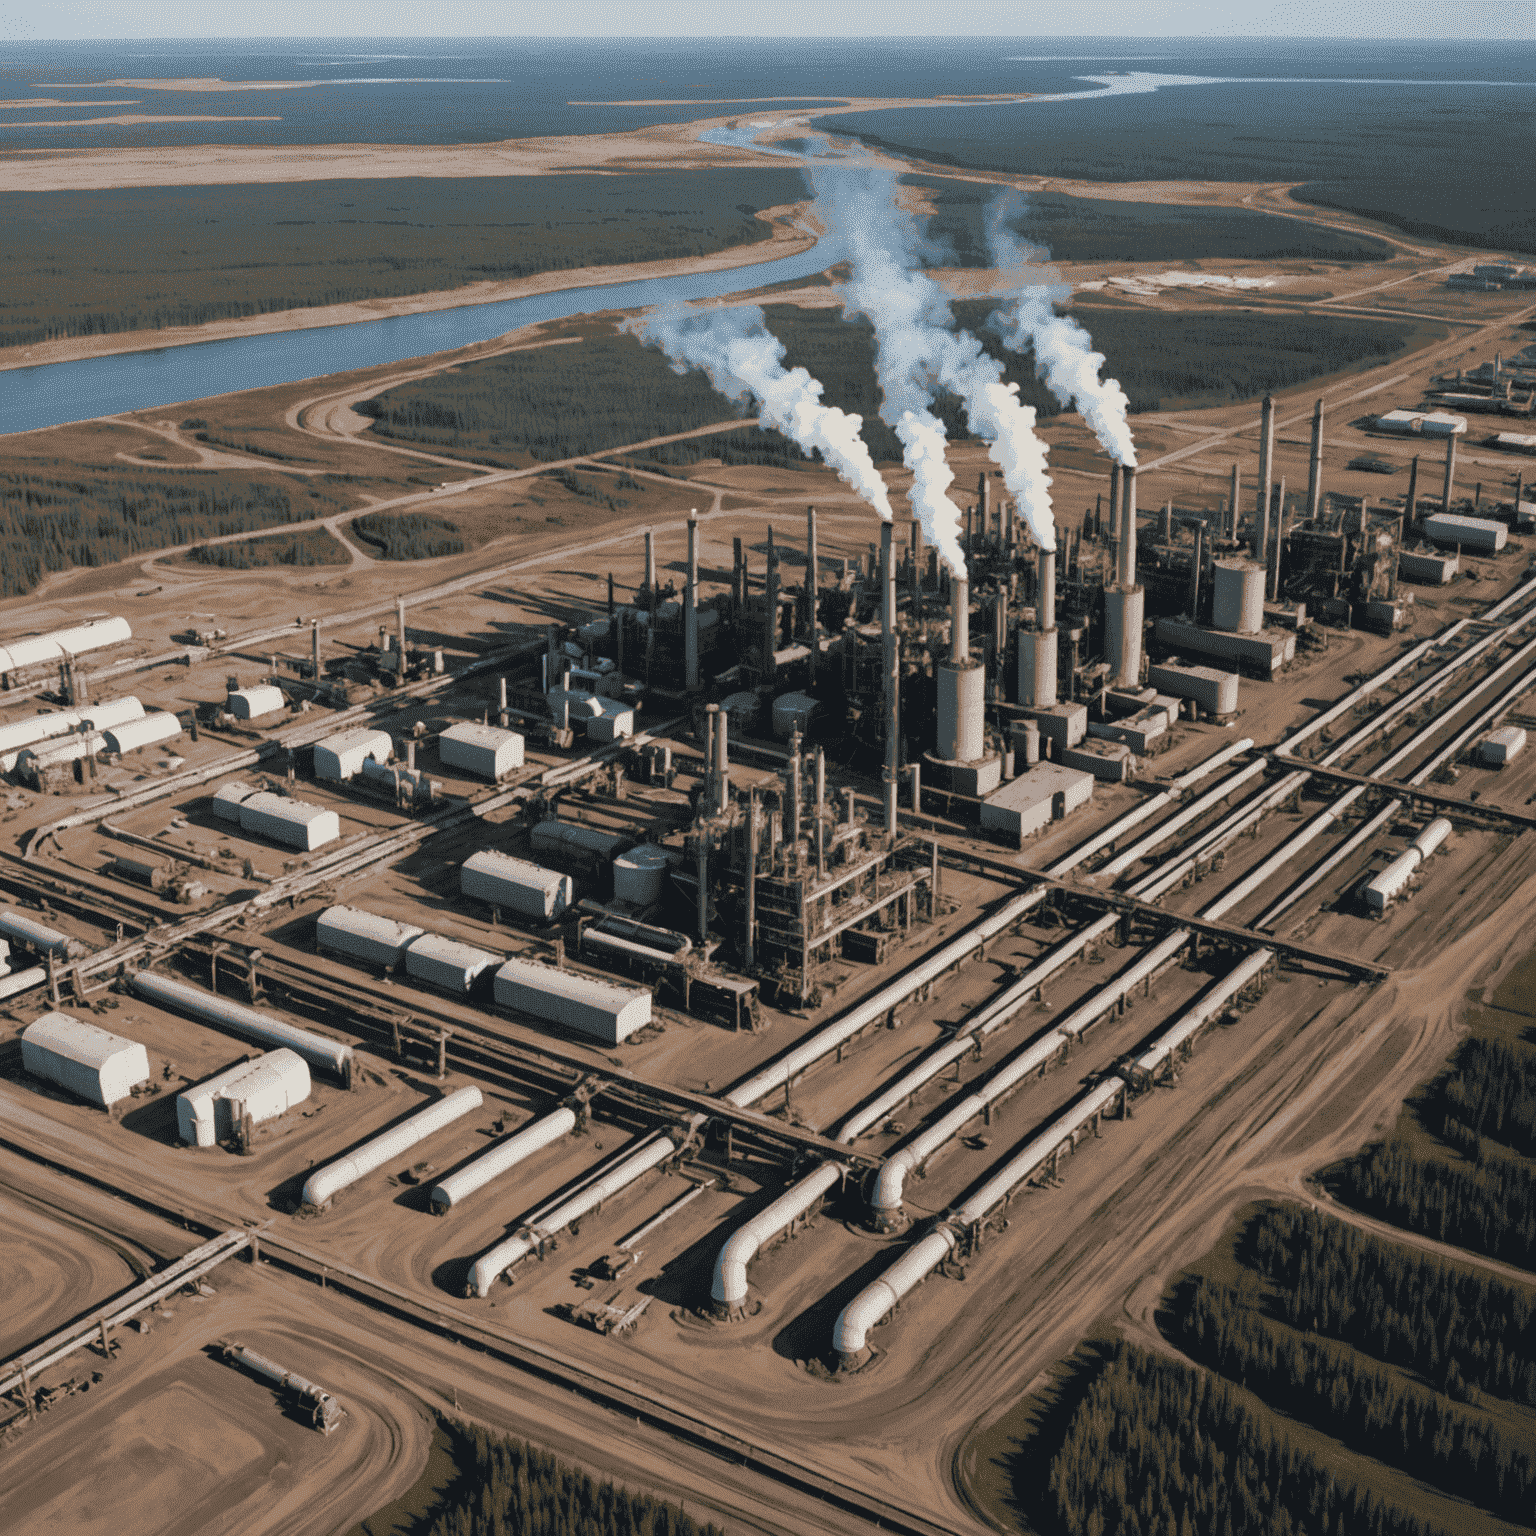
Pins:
x: 211, y: 1111
x: 293, y: 823
x: 516, y: 885
x: 362, y: 936
x: 1388, y: 885
x: 1478, y: 534
x: 1502, y: 746
x: 255, y: 703
x: 134, y: 735
x: 486, y: 750
x: 88, y: 1060
x: 340, y: 757
x: 602, y: 1009
x: 446, y: 963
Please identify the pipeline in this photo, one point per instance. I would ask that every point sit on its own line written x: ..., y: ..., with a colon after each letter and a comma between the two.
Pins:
x: 729, y: 1289
x: 520, y: 1145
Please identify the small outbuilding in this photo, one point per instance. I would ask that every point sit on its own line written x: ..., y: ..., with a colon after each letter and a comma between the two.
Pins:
x: 516, y: 885
x: 262, y: 1089
x: 446, y: 963
x: 255, y: 703
x: 1502, y: 746
x: 486, y: 751
x: 293, y: 823
x: 89, y: 1061
x: 340, y: 758
x: 362, y: 936
x: 134, y: 735
x: 606, y: 1011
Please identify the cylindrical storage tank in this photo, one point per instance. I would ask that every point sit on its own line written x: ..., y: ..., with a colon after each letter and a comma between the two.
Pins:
x: 293, y: 823
x: 517, y: 885
x: 332, y: 1055
x: 254, y: 703
x: 150, y: 872
x: 340, y: 757
x: 744, y: 710
x: 265, y: 1088
x: 102, y: 717
x: 84, y: 1058
x: 1237, y: 596
x: 18, y: 928
x: 793, y: 712
x: 446, y: 963
x: 484, y: 750
x: 228, y: 798
x: 640, y: 875
x: 1389, y: 884
x: 133, y: 735
x: 325, y: 1183
x: 1031, y: 734
x: 962, y: 712
x: 361, y: 936
x: 504, y: 1155
x: 1432, y: 836
x: 602, y: 1009
x: 554, y: 836
x: 91, y: 636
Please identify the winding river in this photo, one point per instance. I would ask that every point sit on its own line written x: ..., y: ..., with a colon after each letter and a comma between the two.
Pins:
x: 56, y: 393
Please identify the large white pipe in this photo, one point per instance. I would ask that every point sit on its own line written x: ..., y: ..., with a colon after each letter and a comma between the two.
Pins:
x: 315, y: 1049
x: 504, y: 1155
x: 324, y: 1184
x: 1191, y: 812
x: 729, y: 1290
x: 1204, y: 1010
x: 496, y: 1261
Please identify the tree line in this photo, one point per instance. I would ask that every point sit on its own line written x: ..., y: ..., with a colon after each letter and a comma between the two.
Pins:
x: 1491, y: 1091
x: 1456, y: 1326
x: 1366, y: 1406
x: 408, y: 535
x: 1156, y: 1448
x: 314, y: 546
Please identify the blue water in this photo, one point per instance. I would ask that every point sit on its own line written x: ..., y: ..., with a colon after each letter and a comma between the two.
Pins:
x: 105, y: 386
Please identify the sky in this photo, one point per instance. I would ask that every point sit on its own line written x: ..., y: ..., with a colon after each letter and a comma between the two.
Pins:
x: 1407, y: 19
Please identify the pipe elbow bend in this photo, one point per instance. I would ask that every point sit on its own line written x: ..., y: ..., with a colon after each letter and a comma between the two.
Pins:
x: 850, y: 1334
x: 885, y: 1202
x: 730, y: 1284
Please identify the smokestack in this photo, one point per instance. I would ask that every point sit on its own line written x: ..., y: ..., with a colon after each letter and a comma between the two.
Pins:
x: 1272, y: 581
x: 1411, y: 506
x: 1047, y: 603
x: 1315, y: 471
x: 1037, y: 647
x: 400, y: 625
x: 1236, y: 497
x: 984, y: 504
x: 812, y: 590
x: 691, y: 609
x: 1450, y: 473
x: 796, y: 793
x: 1114, y: 503
x: 1195, y: 571
x: 722, y: 762
x: 959, y: 621
x: 1266, y: 465
x: 314, y: 649
x: 650, y: 567
x: 892, y: 677
x: 738, y: 579
x: 711, y: 714
x: 917, y: 557
x: 1128, y: 527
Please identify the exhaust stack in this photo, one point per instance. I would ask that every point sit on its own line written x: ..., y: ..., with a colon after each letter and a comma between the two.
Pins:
x: 1449, y: 489
x: 812, y: 591
x: 1125, y: 603
x: 1037, y: 647
x: 691, y: 607
x: 1266, y: 468
x: 650, y: 567
x: 1315, y: 470
x: 892, y: 675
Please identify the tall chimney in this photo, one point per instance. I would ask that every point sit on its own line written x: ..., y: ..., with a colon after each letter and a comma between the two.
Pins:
x: 722, y: 763
x: 1449, y: 489
x: 650, y: 567
x: 1272, y: 578
x: 891, y: 674
x: 917, y: 557
x: 771, y: 607
x: 1236, y: 497
x: 1037, y: 647
x: 984, y: 505
x: 1195, y: 570
x: 1266, y: 466
x: 400, y: 625
x: 1315, y: 470
x: 959, y: 620
x: 812, y: 590
x: 711, y: 790
x: 1047, y: 603
x: 1128, y: 527
x: 691, y: 609
x: 1114, y: 503
x: 1125, y: 604
x: 1411, y: 506
x: 314, y: 648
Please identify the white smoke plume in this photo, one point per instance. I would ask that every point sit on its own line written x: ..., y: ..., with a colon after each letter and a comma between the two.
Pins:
x: 745, y: 361
x: 1064, y: 355
x: 919, y: 351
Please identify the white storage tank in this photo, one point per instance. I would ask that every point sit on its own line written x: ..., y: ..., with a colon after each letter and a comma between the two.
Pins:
x: 1502, y: 746
x: 294, y: 823
x: 211, y: 1111
x: 1478, y: 534
x: 84, y: 1058
x: 362, y: 936
x: 1432, y: 836
x: 640, y: 875
x: 602, y: 1009
x: 228, y: 798
x: 17, y: 928
x: 255, y: 703
x: 792, y: 712
x: 446, y: 963
x: 340, y: 757
x: 135, y: 735
x: 486, y: 750
x: 1237, y: 599
x: 516, y: 885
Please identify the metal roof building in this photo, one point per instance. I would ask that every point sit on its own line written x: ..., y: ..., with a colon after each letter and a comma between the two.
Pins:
x: 294, y: 823
x: 446, y: 963
x: 485, y: 750
x: 1478, y: 534
x: 517, y: 885
x: 211, y: 1111
x: 571, y: 838
x: 361, y: 936
x: 340, y: 757
x: 254, y: 703
x: 135, y: 735
x: 601, y: 1009
x: 86, y: 1059
x: 228, y: 798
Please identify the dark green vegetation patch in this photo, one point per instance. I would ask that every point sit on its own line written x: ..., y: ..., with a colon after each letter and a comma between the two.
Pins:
x: 1103, y: 229
x: 561, y: 402
x: 408, y: 535
x: 186, y: 255
x: 310, y: 546
x: 1452, y: 166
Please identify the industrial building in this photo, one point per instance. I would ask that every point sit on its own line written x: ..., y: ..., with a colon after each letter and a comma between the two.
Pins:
x: 241, y: 1097
x: 483, y: 750
x: 91, y: 1062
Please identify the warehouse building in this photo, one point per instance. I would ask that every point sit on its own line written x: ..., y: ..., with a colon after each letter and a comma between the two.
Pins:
x: 254, y: 703
x: 1029, y: 803
x: 483, y: 750
x: 242, y: 1096
x: 515, y: 885
x: 293, y: 823
x: 340, y: 758
x: 362, y: 936
x: 446, y: 963
x: 99, y: 1066
x: 601, y: 1009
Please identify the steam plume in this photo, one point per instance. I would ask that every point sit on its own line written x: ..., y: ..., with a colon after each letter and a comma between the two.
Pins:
x: 745, y: 361
x: 1064, y: 355
x: 919, y: 351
